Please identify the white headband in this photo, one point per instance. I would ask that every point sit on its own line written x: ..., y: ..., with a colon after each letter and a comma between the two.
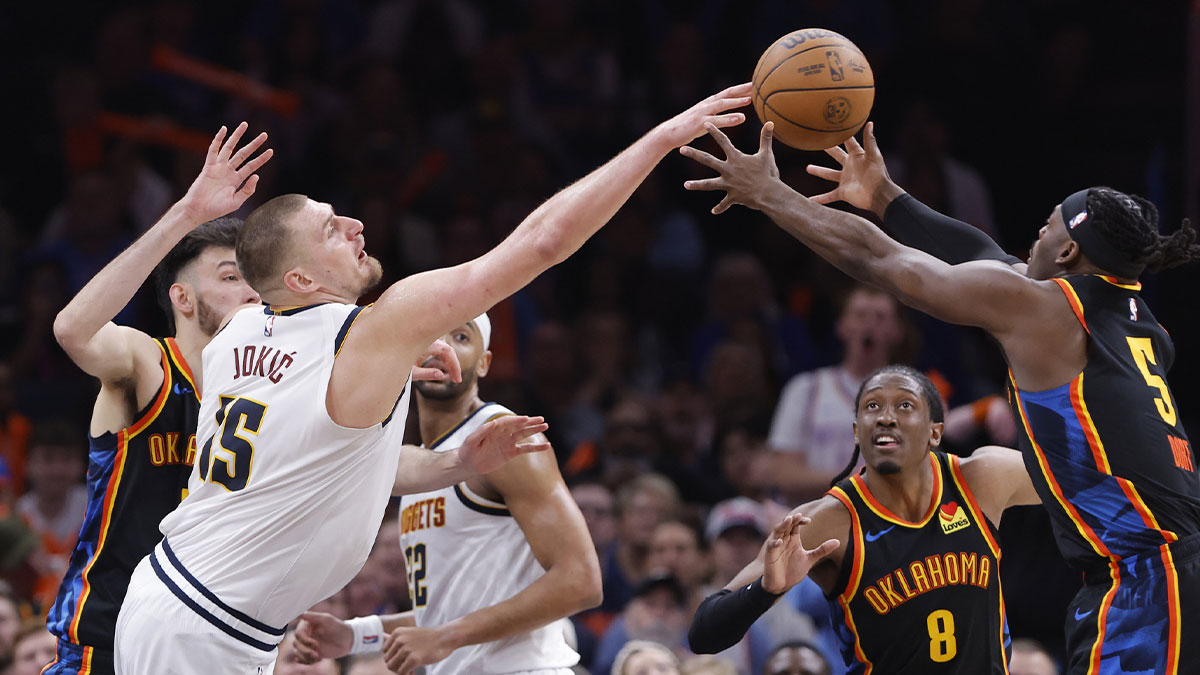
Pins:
x: 484, y: 325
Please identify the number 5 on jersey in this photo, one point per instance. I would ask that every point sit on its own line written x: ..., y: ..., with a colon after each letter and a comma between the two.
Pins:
x: 230, y: 463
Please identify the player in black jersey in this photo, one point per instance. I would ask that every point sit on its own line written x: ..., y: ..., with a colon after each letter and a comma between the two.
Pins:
x: 1102, y: 439
x: 909, y: 563
x: 142, y: 433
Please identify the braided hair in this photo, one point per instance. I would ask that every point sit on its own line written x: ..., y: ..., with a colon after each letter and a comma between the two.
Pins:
x: 929, y: 392
x: 1130, y: 224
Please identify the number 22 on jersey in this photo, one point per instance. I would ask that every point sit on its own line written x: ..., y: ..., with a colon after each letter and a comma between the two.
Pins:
x: 230, y: 462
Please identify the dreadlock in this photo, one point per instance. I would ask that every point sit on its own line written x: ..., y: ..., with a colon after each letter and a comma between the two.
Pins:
x: 1130, y: 224
x: 933, y: 399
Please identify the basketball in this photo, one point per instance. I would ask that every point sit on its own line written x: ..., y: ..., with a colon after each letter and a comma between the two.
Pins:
x: 816, y: 86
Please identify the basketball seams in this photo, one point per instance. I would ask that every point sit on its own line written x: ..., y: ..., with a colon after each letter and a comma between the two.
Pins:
x: 803, y: 126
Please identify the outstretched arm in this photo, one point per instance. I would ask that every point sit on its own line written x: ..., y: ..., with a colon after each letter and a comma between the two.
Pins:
x: 536, y: 497
x: 420, y: 308
x: 985, y: 294
x: 725, y: 616
x: 487, y: 448
x: 863, y: 182
x: 84, y: 327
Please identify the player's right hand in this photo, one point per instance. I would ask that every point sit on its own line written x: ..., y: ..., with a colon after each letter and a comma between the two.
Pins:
x: 322, y: 636
x: 787, y: 562
x: 227, y: 179
x: 863, y: 175
x: 692, y: 123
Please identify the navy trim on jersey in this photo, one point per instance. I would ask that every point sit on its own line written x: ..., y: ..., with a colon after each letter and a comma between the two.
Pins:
x: 476, y: 506
x: 395, y: 405
x: 249, y: 621
x: 458, y: 426
x: 345, y: 330
x: 288, y: 311
x: 205, y: 614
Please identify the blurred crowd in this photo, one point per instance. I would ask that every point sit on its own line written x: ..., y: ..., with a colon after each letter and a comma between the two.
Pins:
x: 698, y: 374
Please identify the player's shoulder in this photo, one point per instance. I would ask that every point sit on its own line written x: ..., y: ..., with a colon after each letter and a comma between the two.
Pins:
x: 827, y: 513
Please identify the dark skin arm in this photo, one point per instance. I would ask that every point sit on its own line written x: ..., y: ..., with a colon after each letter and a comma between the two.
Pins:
x: 1023, y: 314
x: 783, y: 561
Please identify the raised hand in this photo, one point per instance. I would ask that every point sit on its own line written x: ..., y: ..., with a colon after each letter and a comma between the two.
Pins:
x: 322, y: 636
x: 863, y: 179
x: 746, y: 179
x: 494, y: 443
x: 228, y: 177
x: 690, y: 124
x: 787, y: 562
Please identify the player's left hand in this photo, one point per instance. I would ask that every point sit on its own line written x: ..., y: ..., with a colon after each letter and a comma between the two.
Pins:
x: 407, y: 648
x: 746, y: 179
x: 438, y: 354
x: 228, y: 178
x: 494, y: 443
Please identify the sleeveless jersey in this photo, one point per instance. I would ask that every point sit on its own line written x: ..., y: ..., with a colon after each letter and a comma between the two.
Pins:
x: 920, y: 597
x: 135, y: 477
x: 1106, y: 451
x: 464, y: 553
x: 284, y: 504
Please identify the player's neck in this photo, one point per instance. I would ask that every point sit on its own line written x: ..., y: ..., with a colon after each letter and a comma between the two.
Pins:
x: 439, y: 416
x: 191, y: 342
x: 906, y: 494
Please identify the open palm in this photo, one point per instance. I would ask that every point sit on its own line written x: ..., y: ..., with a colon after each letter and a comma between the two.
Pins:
x: 862, y: 172
x: 787, y: 562
x: 227, y: 179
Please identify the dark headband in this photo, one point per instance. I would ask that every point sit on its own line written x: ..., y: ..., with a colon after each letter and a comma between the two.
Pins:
x: 1081, y: 228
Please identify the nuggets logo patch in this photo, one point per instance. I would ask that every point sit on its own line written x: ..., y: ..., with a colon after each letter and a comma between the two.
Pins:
x: 952, y: 517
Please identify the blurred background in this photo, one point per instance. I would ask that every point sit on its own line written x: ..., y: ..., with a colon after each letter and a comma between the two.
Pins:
x: 669, y: 345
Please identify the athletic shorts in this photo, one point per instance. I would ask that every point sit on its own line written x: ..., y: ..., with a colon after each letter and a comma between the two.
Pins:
x: 171, y: 625
x: 1140, y: 615
x: 72, y: 659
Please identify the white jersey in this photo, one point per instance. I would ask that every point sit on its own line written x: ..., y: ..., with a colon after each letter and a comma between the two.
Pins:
x: 815, y: 417
x: 284, y: 504
x: 464, y: 553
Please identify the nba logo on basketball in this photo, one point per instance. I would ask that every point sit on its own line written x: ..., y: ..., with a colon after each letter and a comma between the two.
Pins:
x: 953, y: 518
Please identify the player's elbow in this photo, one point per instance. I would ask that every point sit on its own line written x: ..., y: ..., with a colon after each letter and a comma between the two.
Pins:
x: 587, y: 587
x: 68, y: 332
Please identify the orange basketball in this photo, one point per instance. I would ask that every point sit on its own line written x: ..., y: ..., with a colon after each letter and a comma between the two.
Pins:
x: 816, y: 86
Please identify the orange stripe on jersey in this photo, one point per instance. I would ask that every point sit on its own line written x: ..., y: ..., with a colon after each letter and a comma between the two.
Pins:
x: 1089, y: 427
x: 1073, y: 298
x: 1003, y: 620
x: 973, y: 504
x: 886, y: 513
x: 114, y: 484
x: 182, y: 364
x: 1102, y: 618
x: 1135, y: 286
x: 1102, y: 465
x: 1173, y: 610
x: 1084, y: 529
x: 856, y: 567
x: 86, y: 668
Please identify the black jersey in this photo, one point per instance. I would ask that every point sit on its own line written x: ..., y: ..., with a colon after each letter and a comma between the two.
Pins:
x: 135, y: 477
x: 920, y: 597
x: 1106, y: 451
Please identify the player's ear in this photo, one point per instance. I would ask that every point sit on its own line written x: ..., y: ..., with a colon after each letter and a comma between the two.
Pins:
x: 297, y: 281
x: 1069, y: 254
x: 484, y: 364
x: 181, y: 298
x: 935, y: 434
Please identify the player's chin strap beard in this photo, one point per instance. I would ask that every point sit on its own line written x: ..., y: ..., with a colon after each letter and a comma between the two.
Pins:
x: 1082, y: 229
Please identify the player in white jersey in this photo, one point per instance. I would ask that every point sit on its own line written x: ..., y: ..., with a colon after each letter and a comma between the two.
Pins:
x: 494, y: 564
x: 310, y: 427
